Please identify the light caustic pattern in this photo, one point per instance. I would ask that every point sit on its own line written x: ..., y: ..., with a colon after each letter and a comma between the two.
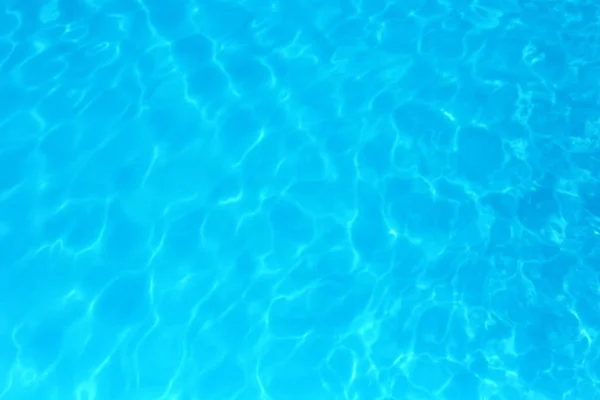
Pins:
x: 299, y: 200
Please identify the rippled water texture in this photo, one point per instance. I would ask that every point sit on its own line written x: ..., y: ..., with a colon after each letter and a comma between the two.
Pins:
x: 299, y: 200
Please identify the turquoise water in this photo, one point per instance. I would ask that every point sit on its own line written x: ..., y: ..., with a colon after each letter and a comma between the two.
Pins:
x: 299, y: 200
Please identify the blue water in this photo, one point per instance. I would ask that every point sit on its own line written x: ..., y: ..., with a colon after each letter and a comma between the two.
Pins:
x: 299, y: 200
